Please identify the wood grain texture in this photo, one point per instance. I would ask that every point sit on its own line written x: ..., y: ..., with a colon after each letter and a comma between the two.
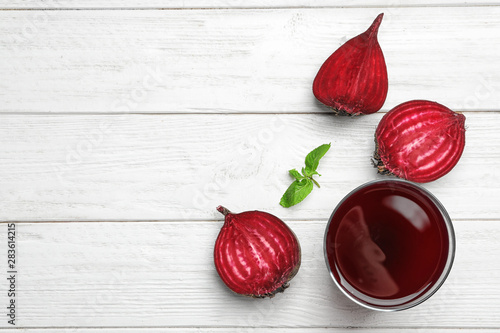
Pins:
x: 157, y: 274
x: 266, y: 329
x: 124, y: 124
x: 171, y: 167
x: 63, y: 4
x: 231, y: 61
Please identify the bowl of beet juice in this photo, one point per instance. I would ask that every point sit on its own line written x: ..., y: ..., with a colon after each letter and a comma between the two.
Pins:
x: 389, y: 245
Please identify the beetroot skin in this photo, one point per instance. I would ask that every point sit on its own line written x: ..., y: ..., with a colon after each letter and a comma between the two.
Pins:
x: 256, y: 254
x: 353, y: 80
x: 419, y: 140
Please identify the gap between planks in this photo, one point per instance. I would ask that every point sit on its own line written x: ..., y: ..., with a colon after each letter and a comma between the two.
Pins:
x: 271, y: 329
x: 460, y: 5
x: 194, y: 220
x: 180, y: 113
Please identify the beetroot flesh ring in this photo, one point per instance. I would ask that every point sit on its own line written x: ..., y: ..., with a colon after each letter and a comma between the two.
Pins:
x: 419, y: 140
x: 353, y: 80
x: 256, y: 254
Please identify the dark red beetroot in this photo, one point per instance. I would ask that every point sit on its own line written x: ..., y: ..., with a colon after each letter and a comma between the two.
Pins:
x: 419, y: 140
x: 256, y: 254
x: 353, y: 80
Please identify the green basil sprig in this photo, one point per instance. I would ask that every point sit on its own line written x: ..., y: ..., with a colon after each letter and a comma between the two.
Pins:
x: 303, y: 183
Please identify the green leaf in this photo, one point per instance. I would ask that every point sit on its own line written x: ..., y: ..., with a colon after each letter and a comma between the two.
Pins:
x: 295, y: 174
x: 309, y: 174
x: 296, y: 192
x: 304, y: 182
x: 312, y: 159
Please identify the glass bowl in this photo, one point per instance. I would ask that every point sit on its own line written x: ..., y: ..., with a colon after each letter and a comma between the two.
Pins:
x: 389, y: 245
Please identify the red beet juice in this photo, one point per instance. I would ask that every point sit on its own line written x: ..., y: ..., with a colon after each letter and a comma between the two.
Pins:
x: 389, y: 245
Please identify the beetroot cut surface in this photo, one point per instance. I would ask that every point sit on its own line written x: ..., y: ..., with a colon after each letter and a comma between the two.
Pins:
x: 256, y: 254
x: 419, y: 140
x: 353, y: 80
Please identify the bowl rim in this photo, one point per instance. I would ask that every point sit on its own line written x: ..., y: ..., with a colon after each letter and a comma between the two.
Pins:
x: 446, y: 268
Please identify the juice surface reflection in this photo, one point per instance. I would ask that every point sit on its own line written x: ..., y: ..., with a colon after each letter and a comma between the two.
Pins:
x: 387, y: 242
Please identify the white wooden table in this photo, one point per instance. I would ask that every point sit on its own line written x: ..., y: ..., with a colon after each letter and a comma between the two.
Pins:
x: 123, y: 124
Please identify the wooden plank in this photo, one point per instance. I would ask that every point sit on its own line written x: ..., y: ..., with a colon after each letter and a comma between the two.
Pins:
x: 231, y: 61
x: 254, y: 330
x: 175, y: 167
x: 63, y: 4
x: 161, y: 274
